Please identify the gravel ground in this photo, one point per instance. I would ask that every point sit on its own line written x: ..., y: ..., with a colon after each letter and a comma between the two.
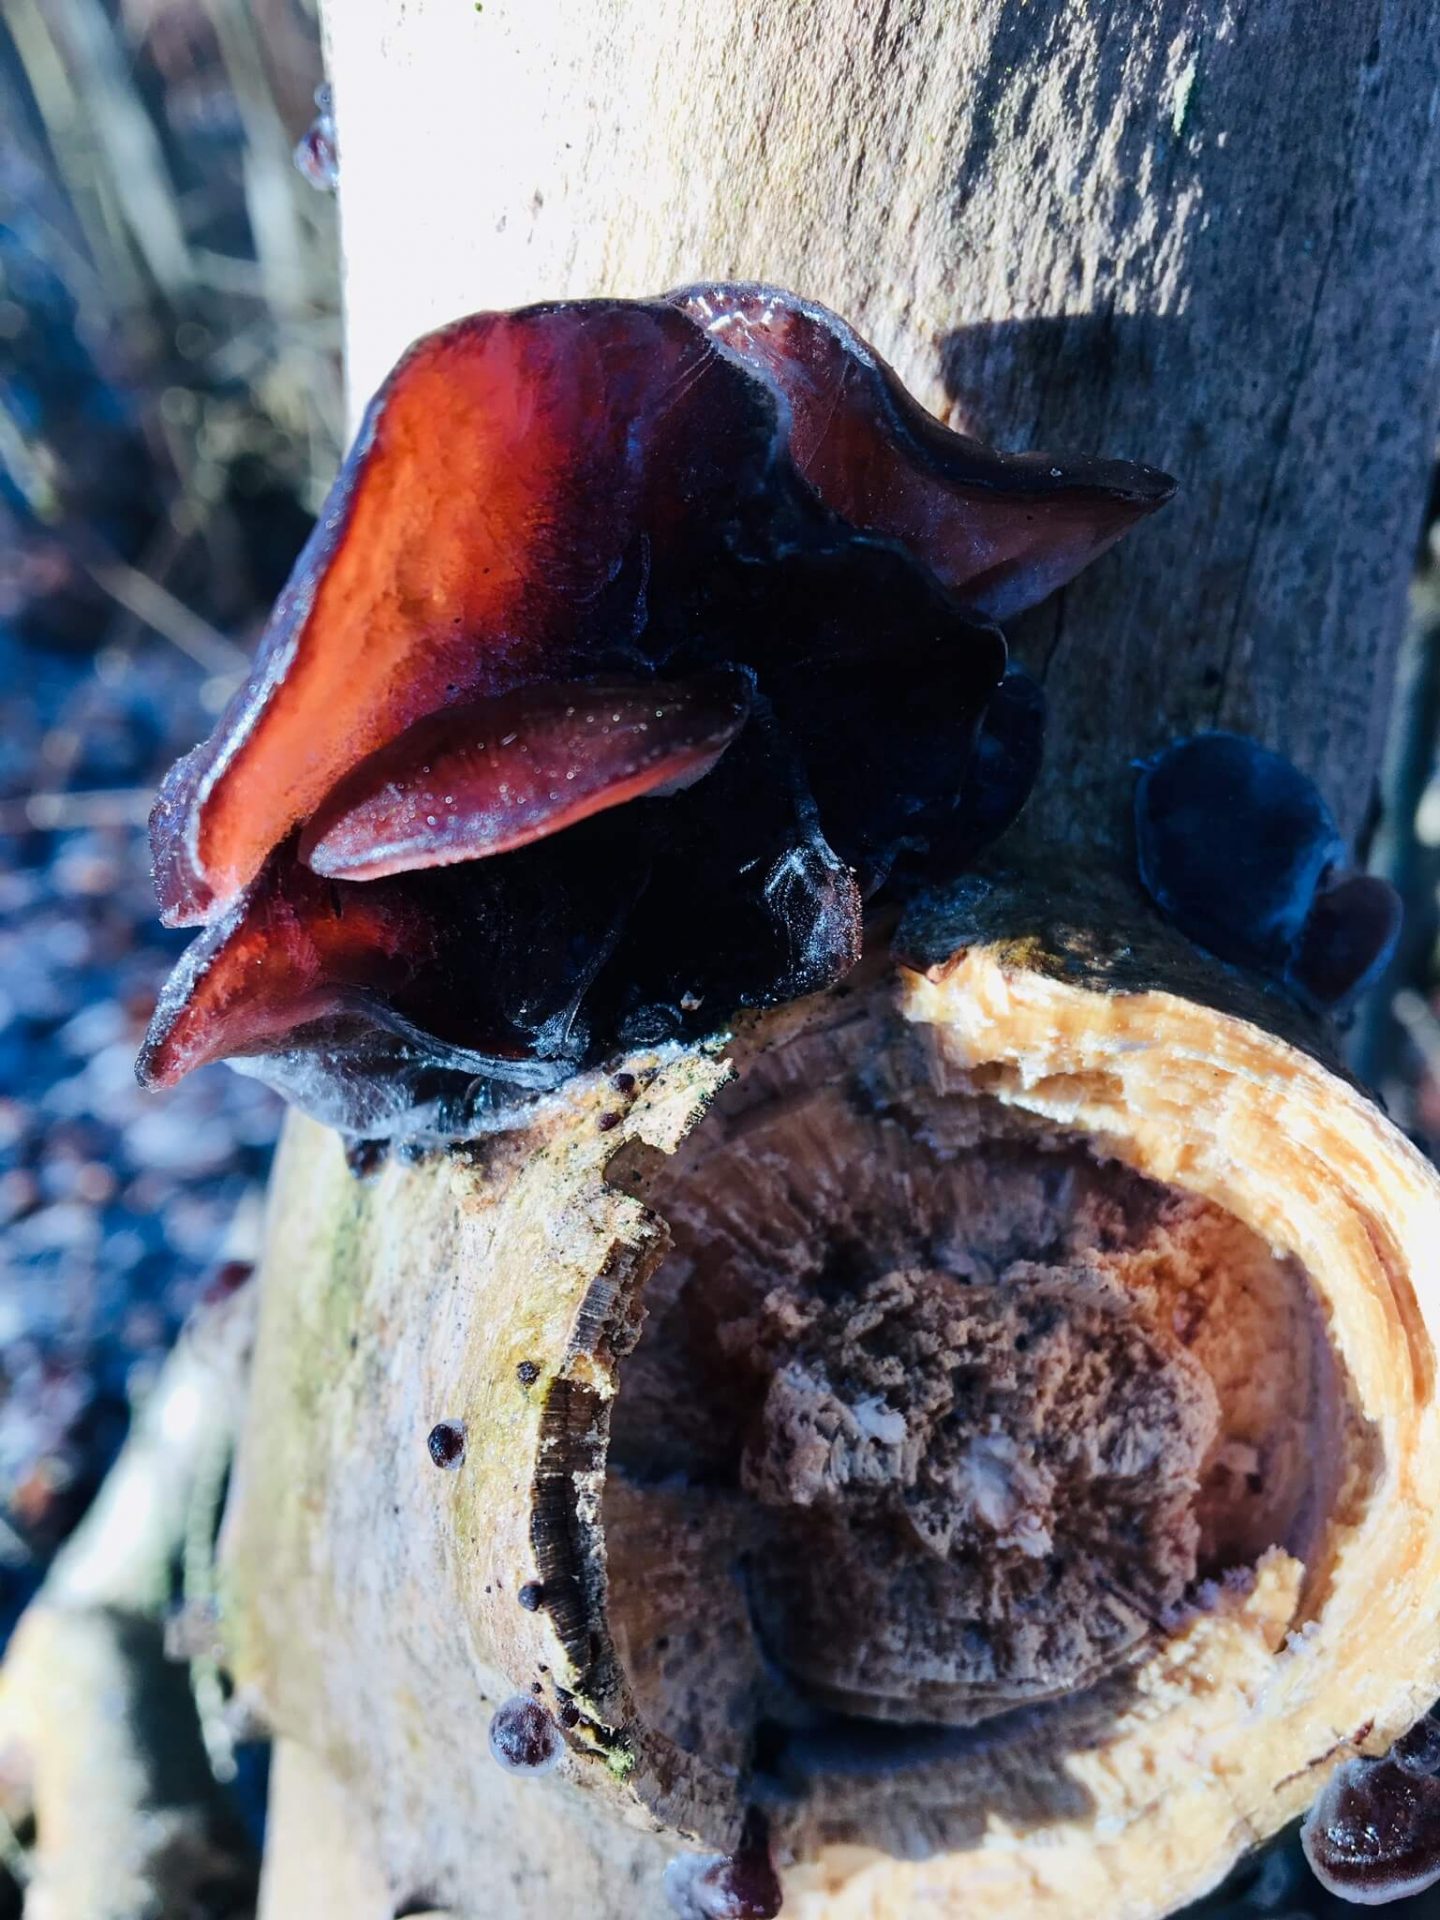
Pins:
x: 116, y: 1206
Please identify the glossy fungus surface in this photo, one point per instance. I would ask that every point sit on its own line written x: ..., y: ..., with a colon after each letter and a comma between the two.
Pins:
x: 638, y: 647
x: 1373, y: 1836
x: 1239, y: 849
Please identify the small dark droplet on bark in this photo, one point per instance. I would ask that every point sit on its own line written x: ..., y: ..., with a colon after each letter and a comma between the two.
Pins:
x: 535, y: 1687
x: 527, y: 1373
x: 569, y: 1716
x: 365, y: 1158
x: 226, y: 1280
x: 608, y: 1120
x: 523, y: 1737
x: 531, y: 1596
x: 447, y: 1443
x: 624, y: 1083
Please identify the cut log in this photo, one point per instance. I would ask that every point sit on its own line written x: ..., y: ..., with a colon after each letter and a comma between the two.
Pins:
x: 997, y: 1440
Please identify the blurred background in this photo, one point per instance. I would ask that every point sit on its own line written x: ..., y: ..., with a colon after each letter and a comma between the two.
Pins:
x: 170, y: 417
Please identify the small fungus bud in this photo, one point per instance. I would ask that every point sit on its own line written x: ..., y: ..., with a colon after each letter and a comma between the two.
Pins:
x: 524, y: 1738
x: 447, y: 1443
x: 1374, y: 1834
x: 316, y: 153
x: 1238, y: 848
x: 365, y: 1158
x: 531, y: 1596
x: 1418, y: 1751
x: 727, y: 1886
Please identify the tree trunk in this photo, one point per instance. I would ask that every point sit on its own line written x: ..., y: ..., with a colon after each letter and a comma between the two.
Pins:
x: 1200, y: 236
x: 1196, y: 234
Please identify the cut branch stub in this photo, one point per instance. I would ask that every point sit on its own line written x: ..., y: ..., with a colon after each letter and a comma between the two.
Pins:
x: 996, y: 1440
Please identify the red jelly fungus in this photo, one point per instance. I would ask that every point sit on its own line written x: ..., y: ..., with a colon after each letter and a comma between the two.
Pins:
x: 639, y: 645
x: 523, y: 1737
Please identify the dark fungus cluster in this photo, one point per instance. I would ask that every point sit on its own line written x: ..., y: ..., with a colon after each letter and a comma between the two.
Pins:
x: 1239, y: 849
x: 639, y: 649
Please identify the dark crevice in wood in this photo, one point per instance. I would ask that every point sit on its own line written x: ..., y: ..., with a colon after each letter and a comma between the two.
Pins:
x: 883, y: 1318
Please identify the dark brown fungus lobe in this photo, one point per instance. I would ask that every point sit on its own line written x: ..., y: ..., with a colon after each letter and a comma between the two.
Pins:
x: 1003, y: 529
x: 639, y: 645
x: 1374, y: 1834
x: 446, y: 1441
x: 292, y: 951
x: 523, y: 1737
x: 1348, y: 939
x: 1240, y: 850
